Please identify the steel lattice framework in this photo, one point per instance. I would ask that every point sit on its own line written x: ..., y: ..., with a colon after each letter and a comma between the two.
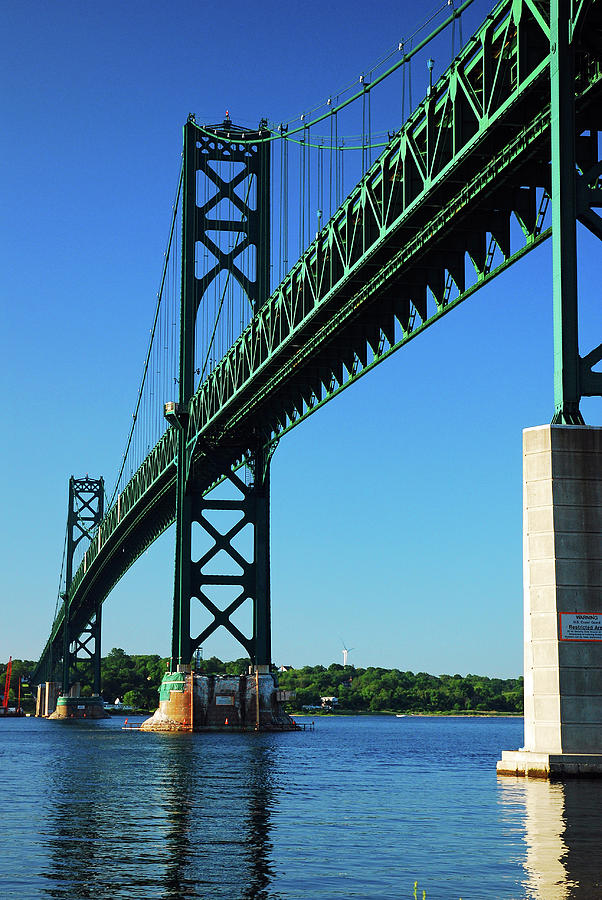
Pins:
x: 82, y: 640
x: 201, y: 155
x: 513, y: 123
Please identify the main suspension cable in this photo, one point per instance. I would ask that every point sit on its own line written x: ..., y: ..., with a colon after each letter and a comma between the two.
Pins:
x: 275, y: 133
x: 152, y: 337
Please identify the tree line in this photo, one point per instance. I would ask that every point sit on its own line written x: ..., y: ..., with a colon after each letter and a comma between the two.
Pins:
x: 375, y: 689
x: 135, y: 679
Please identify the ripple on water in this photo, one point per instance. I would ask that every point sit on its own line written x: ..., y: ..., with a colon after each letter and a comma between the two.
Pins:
x: 360, y: 808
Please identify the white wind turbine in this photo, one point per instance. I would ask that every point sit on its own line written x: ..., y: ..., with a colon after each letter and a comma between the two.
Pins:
x: 346, y: 652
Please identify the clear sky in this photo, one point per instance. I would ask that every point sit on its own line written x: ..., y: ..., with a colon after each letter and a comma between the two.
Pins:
x: 396, y: 510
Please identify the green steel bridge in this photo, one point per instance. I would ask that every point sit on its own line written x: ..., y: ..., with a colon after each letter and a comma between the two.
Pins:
x: 501, y: 154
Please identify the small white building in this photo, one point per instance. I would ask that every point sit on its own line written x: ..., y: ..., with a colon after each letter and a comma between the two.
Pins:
x: 329, y: 702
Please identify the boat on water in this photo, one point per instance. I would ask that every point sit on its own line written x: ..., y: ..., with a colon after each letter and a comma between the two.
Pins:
x: 400, y: 716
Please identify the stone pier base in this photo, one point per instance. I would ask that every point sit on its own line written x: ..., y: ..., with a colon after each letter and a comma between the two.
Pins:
x: 562, y: 564
x: 189, y: 702
x: 79, y: 708
x: 549, y: 765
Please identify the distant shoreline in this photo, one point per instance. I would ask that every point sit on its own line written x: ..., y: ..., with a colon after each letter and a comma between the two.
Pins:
x: 443, y: 714
x: 318, y: 690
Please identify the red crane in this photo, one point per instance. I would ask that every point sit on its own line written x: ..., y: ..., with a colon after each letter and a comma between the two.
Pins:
x: 9, y: 669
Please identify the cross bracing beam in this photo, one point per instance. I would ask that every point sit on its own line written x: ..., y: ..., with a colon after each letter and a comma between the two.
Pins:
x: 438, y: 204
x: 254, y: 222
x: 249, y: 574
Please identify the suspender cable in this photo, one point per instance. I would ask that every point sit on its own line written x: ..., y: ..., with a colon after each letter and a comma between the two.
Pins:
x: 307, y: 240
x: 363, y: 127
x: 410, y: 85
x: 280, y: 210
x: 285, y: 260
x: 153, y: 329
x: 301, y: 189
x: 342, y: 169
x: 403, y: 88
x: 336, y: 145
x: 320, y: 186
x: 369, y: 127
x: 272, y: 228
x: 330, y: 170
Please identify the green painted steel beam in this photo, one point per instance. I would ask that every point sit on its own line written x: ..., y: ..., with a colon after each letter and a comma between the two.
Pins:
x: 567, y: 393
x: 180, y: 644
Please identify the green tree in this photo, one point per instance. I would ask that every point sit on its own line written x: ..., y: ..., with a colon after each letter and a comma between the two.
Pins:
x: 135, y: 699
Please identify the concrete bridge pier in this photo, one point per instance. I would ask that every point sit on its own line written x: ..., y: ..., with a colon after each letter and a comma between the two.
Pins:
x: 190, y: 702
x: 46, y: 698
x: 562, y: 561
x: 52, y: 704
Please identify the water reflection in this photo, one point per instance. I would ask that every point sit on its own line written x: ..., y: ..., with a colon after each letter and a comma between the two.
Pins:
x: 175, y: 794
x: 170, y: 816
x: 261, y: 800
x: 563, y: 836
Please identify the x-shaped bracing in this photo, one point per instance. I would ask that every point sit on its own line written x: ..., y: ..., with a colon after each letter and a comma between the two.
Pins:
x: 247, y: 224
x: 223, y: 541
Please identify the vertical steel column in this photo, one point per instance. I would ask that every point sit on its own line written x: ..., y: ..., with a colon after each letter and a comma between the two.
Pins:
x: 262, y: 626
x: 68, y: 579
x: 564, y: 218
x: 262, y: 290
x: 96, y: 631
x: 180, y: 645
x: 262, y: 630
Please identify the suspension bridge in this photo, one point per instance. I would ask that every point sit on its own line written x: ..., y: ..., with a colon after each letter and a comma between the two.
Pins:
x: 299, y: 257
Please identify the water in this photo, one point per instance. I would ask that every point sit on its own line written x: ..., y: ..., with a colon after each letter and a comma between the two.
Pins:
x: 360, y: 808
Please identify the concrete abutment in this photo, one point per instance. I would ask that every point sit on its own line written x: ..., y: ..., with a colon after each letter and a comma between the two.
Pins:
x: 562, y: 572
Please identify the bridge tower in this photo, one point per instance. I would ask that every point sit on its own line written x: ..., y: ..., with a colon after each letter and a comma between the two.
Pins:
x: 189, y: 701
x: 86, y: 509
x: 205, y: 151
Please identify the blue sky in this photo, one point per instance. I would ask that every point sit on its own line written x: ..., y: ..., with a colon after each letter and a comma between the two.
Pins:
x: 396, y: 510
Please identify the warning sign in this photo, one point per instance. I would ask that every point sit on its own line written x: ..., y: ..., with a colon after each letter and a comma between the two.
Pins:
x: 580, y: 626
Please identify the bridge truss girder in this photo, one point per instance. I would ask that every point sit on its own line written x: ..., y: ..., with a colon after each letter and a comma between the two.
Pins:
x: 444, y: 190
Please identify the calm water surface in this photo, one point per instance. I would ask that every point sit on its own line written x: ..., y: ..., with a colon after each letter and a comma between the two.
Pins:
x: 359, y: 808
